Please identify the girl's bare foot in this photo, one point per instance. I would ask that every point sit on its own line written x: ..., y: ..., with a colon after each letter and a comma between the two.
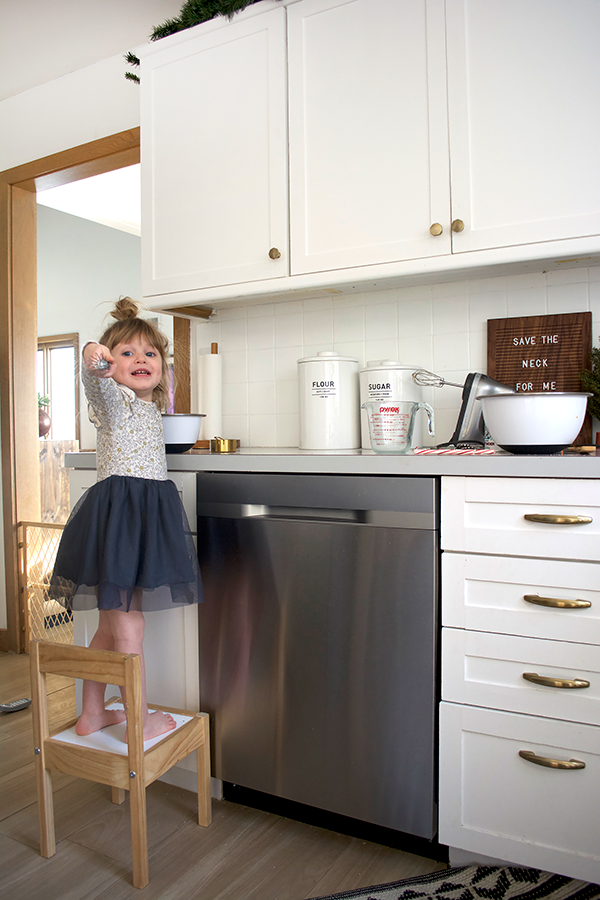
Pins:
x: 157, y: 723
x: 89, y: 722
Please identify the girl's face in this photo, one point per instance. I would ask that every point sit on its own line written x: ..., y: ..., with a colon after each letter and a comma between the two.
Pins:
x: 139, y: 367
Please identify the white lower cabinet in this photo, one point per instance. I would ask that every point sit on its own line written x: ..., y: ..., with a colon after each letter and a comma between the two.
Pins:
x: 520, y: 711
x: 557, y: 679
x: 499, y: 804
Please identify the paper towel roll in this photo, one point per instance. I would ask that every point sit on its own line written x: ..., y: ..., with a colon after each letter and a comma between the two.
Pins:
x: 210, y: 395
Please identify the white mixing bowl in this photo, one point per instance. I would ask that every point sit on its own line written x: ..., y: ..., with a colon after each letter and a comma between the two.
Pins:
x: 534, y: 423
x: 181, y: 431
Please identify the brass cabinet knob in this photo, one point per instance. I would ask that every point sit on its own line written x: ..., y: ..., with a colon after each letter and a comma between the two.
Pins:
x: 458, y: 225
x: 436, y: 229
x: 274, y: 253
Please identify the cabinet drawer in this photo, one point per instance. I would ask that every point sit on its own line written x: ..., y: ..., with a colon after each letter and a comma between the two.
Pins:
x: 487, y: 515
x: 496, y: 803
x: 487, y: 593
x: 487, y: 670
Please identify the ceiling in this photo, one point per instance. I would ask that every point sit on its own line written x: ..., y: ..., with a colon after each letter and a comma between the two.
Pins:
x: 112, y: 199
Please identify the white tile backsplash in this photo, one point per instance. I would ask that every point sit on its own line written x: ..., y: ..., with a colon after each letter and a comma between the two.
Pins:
x: 450, y: 315
x: 261, y: 332
x: 235, y: 399
x: 234, y: 365
x: 318, y: 327
x: 529, y: 301
x: 287, y: 398
x: 286, y: 363
x: 261, y: 365
x: 234, y: 334
x: 450, y: 352
x: 383, y: 349
x: 441, y: 327
x: 349, y: 324
x: 563, y: 298
x: 289, y: 330
x: 261, y: 399
x: 415, y: 317
x: 381, y: 322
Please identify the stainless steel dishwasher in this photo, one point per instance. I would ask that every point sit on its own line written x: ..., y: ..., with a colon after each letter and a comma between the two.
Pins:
x: 318, y: 640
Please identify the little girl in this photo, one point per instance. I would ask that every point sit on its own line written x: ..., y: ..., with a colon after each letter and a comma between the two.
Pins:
x: 126, y: 547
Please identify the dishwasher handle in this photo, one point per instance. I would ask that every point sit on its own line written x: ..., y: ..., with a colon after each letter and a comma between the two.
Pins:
x: 382, y: 518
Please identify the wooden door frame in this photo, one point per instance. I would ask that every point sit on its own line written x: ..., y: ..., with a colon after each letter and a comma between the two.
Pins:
x: 18, y: 336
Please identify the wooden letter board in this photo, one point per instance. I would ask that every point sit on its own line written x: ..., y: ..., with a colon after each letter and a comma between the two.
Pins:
x: 541, y: 353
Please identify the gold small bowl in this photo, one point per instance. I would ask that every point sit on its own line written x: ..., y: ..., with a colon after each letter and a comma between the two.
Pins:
x: 223, y: 445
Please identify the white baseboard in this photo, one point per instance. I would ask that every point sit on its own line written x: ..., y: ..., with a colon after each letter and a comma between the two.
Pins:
x: 459, y: 857
x: 186, y: 779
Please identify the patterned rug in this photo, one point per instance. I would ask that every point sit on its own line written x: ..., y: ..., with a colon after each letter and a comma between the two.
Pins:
x: 478, y: 883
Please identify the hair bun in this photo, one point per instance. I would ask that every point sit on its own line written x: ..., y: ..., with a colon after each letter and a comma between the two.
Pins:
x: 125, y: 308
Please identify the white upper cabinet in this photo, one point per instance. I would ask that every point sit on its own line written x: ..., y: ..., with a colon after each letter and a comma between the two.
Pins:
x: 424, y: 135
x: 368, y: 132
x: 214, y: 155
x: 524, y: 116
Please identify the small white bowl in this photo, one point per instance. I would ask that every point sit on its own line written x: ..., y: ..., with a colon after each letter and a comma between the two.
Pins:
x: 542, y: 422
x: 181, y: 431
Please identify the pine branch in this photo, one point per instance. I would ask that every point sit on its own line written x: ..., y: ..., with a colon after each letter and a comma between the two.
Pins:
x: 194, y: 12
x: 131, y: 76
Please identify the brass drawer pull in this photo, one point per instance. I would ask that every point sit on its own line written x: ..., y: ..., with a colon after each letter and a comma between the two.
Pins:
x: 555, y: 682
x: 274, y: 253
x: 558, y: 520
x: 555, y: 603
x: 436, y: 229
x: 551, y: 763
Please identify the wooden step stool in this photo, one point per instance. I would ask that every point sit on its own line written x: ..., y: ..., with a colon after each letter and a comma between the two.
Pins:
x: 132, y: 771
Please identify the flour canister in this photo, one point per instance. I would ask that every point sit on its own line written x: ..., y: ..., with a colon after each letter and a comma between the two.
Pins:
x: 385, y: 379
x: 329, y: 404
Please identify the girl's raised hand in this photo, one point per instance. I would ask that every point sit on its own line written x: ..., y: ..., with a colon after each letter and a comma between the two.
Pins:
x: 98, y: 360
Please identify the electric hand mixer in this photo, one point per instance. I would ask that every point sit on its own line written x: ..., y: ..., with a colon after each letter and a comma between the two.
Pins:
x: 470, y: 427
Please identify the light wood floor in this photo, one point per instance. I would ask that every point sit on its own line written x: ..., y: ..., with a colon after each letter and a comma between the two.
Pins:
x: 246, y: 854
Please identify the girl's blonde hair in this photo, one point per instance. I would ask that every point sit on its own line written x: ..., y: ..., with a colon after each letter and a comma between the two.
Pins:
x: 128, y: 327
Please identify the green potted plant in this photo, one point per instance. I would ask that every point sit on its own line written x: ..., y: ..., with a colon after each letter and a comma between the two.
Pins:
x: 590, y: 379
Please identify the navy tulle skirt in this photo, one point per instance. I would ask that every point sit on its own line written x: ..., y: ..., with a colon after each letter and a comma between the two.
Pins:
x: 127, y: 545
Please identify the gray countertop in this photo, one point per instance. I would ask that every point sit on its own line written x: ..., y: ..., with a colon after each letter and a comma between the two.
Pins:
x: 365, y: 462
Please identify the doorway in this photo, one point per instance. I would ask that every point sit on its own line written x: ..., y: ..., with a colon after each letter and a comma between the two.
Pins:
x: 18, y: 339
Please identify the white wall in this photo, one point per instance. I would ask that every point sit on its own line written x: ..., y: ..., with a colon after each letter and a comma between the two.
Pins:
x: 62, y: 79
x: 83, y: 268
x: 41, y: 41
x: 442, y: 327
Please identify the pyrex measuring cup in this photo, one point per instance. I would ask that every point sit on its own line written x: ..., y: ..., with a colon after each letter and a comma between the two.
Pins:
x: 391, y: 424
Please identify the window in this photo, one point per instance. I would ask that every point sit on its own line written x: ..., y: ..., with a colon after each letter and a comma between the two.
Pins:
x: 57, y: 379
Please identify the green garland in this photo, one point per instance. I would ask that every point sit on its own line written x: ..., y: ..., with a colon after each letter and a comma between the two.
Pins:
x: 193, y: 12
x: 590, y: 378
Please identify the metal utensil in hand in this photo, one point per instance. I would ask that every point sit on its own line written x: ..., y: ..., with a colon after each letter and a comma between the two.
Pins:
x: 98, y: 362
x: 427, y: 379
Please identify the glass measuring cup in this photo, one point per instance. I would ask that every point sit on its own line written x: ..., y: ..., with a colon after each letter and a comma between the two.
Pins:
x: 391, y: 424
